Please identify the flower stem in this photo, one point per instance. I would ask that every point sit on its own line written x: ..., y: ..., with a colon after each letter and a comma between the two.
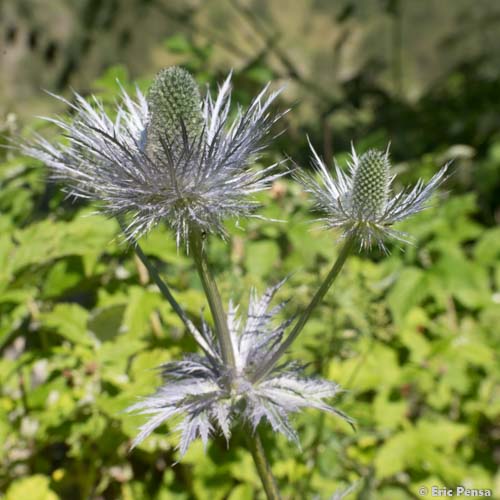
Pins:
x: 262, y: 465
x: 153, y: 272
x: 221, y: 328
x: 213, y: 297
x: 318, y: 296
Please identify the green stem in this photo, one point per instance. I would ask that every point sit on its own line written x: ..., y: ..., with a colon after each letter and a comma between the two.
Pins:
x: 262, y: 465
x: 153, y: 272
x: 325, y: 286
x: 226, y: 346
x: 213, y: 297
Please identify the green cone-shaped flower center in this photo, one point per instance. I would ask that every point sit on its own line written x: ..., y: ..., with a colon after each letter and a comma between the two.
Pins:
x: 174, y: 102
x: 371, y: 184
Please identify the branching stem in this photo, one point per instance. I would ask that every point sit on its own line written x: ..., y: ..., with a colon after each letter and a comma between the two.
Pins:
x: 318, y: 296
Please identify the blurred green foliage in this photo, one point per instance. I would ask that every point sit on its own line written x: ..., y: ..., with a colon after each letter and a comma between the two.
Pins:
x: 413, y: 337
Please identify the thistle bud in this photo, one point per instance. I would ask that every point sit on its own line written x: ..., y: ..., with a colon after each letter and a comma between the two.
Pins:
x: 360, y: 201
x: 371, y: 181
x: 174, y: 104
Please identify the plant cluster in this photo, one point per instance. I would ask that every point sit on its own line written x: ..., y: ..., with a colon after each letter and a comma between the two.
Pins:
x: 172, y: 156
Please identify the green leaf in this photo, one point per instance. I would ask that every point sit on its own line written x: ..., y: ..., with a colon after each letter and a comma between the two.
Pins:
x: 105, y: 323
x: 114, y: 358
x: 409, y: 289
x: 487, y: 249
x: 161, y: 244
x: 46, y: 241
x: 33, y: 488
x: 465, y: 280
x: 428, y: 441
x: 392, y: 456
x: 11, y: 321
x: 63, y: 275
x: 412, y: 334
x: 145, y: 367
x: 377, y: 369
x: 69, y: 321
x: 388, y: 414
x: 141, y: 304
x: 241, y: 492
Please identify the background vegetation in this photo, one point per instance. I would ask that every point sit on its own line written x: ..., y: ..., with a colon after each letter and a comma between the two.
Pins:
x: 413, y: 337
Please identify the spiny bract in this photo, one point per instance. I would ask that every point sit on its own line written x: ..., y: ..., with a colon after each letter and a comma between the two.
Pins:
x: 210, y: 396
x: 360, y: 201
x: 169, y: 156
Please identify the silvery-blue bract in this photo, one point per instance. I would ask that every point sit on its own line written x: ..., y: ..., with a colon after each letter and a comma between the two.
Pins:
x: 360, y: 201
x: 209, y: 396
x: 169, y: 156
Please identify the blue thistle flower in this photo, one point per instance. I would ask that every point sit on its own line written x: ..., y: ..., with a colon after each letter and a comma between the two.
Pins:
x: 360, y: 201
x: 210, y: 396
x: 168, y: 156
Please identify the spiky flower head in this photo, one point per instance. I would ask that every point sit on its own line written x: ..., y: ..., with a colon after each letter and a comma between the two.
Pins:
x: 170, y: 155
x: 360, y: 201
x: 209, y: 397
